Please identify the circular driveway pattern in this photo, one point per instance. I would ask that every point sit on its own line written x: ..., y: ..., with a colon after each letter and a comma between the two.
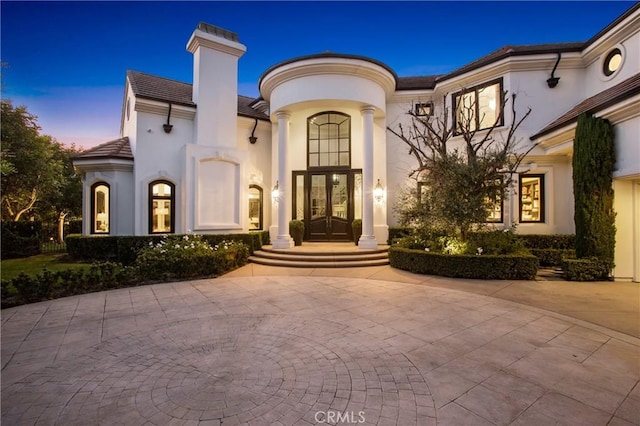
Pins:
x: 310, y: 350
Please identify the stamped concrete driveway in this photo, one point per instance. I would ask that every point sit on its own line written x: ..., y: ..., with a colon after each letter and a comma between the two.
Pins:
x: 304, y: 350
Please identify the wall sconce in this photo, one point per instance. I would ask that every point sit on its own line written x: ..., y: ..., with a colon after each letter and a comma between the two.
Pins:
x: 253, y: 138
x: 168, y: 126
x: 553, y: 80
x: 275, y: 192
x: 378, y: 192
x: 335, y: 179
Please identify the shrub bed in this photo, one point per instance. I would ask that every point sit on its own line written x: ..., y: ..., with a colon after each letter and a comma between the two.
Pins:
x: 189, y: 257
x: 586, y: 269
x: 125, y: 249
x: 170, y: 258
x: 497, y: 267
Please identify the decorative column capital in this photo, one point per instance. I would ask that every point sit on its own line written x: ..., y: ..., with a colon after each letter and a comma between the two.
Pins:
x: 283, y: 115
x: 367, y: 110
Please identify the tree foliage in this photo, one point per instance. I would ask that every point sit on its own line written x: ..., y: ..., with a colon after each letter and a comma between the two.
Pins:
x: 462, y: 170
x: 37, y: 174
x: 593, y: 166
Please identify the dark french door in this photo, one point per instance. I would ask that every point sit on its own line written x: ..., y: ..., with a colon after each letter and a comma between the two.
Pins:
x: 326, y: 204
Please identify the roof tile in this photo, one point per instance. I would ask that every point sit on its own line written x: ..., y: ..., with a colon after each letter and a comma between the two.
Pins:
x: 119, y: 148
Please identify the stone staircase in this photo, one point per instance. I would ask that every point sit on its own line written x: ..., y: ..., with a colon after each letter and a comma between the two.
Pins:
x: 321, y: 255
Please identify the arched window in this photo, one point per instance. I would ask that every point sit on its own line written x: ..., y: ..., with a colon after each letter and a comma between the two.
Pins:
x: 161, y: 207
x: 329, y: 140
x: 100, y: 208
x: 255, y: 207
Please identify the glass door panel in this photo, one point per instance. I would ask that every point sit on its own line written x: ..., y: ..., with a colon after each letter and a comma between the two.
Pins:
x: 338, y: 219
x: 319, y: 221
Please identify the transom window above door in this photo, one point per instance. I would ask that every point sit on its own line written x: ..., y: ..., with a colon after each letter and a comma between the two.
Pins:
x: 329, y: 140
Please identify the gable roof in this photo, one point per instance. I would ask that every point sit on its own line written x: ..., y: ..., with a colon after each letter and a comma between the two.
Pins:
x: 162, y: 89
x: 598, y: 102
x: 117, y: 149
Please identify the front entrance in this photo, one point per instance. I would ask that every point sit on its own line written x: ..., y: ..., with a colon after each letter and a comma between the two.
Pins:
x: 325, y: 201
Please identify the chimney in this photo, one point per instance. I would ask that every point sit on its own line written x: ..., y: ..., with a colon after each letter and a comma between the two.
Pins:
x: 215, y: 84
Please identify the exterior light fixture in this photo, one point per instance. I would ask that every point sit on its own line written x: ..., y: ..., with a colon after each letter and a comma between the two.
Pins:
x: 253, y: 138
x: 275, y: 192
x: 335, y: 179
x: 168, y: 126
x: 378, y: 192
x: 553, y: 80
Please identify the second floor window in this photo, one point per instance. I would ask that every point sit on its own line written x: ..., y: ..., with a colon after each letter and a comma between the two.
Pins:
x: 329, y: 140
x: 478, y: 108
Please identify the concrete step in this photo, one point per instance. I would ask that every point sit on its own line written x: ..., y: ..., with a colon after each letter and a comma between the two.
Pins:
x: 312, y: 264
x: 321, y: 256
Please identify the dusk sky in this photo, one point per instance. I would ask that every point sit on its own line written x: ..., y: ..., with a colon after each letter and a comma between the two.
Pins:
x: 66, y: 61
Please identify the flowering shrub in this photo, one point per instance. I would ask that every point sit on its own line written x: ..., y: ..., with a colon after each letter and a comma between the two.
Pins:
x: 189, y: 256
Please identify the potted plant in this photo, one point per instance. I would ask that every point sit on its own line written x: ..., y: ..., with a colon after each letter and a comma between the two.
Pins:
x: 356, y: 226
x: 296, y: 229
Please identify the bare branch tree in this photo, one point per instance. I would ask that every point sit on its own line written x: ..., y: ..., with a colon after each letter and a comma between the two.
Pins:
x: 465, y: 163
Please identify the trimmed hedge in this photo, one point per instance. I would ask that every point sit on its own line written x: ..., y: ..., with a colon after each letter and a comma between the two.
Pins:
x: 586, y: 269
x: 553, y: 241
x: 552, y: 257
x: 503, y: 267
x: 124, y: 249
x: 69, y: 282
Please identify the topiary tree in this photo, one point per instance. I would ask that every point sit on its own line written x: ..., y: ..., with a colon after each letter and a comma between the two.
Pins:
x: 593, y: 166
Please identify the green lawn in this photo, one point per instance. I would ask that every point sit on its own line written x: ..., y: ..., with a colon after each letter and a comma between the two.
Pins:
x: 33, y: 265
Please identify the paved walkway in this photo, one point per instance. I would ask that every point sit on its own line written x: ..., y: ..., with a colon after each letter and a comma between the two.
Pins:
x: 281, y: 346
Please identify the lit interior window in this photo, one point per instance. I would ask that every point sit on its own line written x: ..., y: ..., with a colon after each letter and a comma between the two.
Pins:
x: 532, y: 198
x: 161, y: 208
x: 101, y: 209
x: 612, y: 62
x: 255, y: 207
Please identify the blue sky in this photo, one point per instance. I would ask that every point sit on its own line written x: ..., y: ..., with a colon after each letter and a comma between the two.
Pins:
x: 67, y: 60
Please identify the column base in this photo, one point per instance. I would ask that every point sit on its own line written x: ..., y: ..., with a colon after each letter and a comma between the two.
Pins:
x: 367, y: 242
x: 283, y: 242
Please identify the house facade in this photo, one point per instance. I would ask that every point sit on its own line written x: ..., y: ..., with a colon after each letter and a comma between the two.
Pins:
x: 315, y: 146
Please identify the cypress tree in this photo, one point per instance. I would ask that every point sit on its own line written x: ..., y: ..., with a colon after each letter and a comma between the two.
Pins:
x: 593, y: 166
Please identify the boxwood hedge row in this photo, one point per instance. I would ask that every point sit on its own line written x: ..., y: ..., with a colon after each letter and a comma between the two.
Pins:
x: 493, y: 267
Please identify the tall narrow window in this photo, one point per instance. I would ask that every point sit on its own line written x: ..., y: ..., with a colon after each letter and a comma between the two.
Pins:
x: 100, y: 208
x: 255, y: 207
x: 161, y: 207
x: 532, y: 198
x: 478, y: 107
x: 329, y: 140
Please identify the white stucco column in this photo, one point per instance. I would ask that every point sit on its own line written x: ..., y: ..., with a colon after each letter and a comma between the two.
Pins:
x: 367, y: 239
x: 283, y: 240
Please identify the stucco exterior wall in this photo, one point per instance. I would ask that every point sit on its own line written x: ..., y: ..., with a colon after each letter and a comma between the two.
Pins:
x: 121, y: 195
